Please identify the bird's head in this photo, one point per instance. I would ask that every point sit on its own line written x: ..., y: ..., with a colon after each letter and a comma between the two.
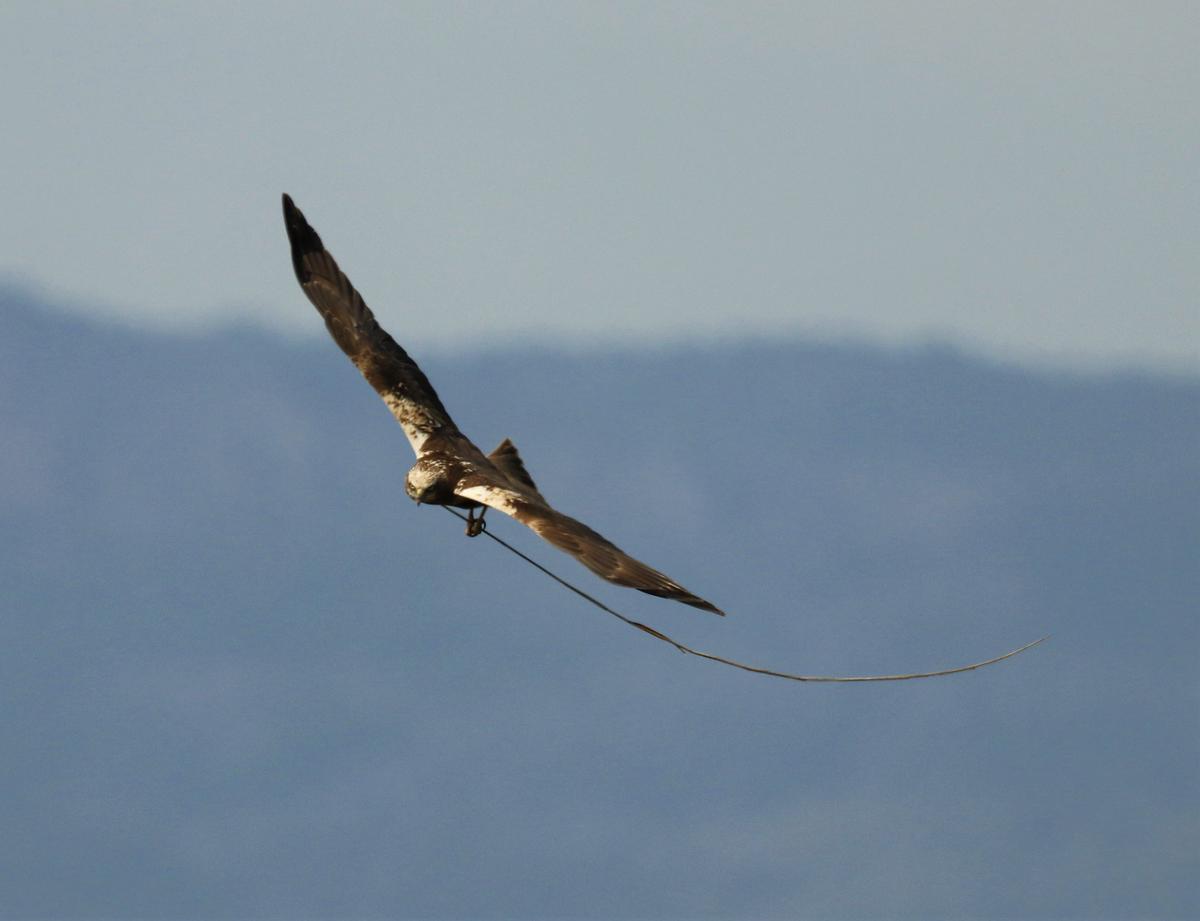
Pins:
x: 421, y: 482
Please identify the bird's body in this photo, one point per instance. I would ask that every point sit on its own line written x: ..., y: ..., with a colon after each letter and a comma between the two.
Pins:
x: 450, y: 469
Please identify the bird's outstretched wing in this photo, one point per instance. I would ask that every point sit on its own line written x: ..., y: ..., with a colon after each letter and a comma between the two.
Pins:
x: 385, y: 365
x: 598, y: 554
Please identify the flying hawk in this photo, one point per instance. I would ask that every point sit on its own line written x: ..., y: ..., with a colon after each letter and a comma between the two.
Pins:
x: 450, y: 469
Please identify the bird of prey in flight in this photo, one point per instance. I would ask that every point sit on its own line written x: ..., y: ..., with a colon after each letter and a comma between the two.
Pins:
x: 450, y: 470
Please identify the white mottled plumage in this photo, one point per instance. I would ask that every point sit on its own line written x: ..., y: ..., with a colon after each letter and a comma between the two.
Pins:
x: 418, y: 480
x: 502, y: 499
x: 406, y: 412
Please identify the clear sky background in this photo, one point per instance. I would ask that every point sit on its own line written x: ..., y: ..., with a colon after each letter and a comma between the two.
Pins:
x: 1019, y: 179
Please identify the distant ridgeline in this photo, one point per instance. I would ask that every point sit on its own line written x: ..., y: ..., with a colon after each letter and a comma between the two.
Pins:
x: 241, y: 669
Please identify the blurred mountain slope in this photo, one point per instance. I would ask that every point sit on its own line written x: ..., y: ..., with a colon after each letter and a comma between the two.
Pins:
x: 245, y: 676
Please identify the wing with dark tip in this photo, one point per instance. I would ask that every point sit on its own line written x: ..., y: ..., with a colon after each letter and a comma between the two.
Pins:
x: 598, y: 554
x: 385, y: 365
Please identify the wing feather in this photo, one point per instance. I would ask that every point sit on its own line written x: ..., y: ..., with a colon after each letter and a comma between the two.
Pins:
x: 386, y: 366
x: 508, y: 461
x: 597, y: 553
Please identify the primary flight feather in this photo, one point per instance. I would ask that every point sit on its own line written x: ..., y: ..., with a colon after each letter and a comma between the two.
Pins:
x: 450, y: 469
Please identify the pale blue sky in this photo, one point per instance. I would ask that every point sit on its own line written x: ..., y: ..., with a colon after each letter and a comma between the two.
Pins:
x: 1020, y: 179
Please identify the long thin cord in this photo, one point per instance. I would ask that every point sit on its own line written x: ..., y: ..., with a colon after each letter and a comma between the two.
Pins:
x: 746, y: 668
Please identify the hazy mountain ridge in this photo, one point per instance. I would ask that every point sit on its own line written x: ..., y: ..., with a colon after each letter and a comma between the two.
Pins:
x: 248, y: 677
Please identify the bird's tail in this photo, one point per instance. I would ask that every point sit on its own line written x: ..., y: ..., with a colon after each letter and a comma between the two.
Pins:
x: 508, y: 461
